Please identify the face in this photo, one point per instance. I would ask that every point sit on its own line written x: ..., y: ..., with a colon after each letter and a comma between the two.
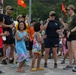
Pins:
x: 21, y: 19
x: 9, y: 11
x: 21, y: 26
x: 69, y: 11
x: 51, y: 17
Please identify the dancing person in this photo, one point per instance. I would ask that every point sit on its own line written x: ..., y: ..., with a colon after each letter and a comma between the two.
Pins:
x: 21, y: 46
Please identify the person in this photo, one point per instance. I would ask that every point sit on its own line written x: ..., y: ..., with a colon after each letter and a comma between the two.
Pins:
x: 21, y: 46
x: 31, y: 33
x: 8, y: 25
x: 71, y: 35
x: 1, y: 37
x: 51, y: 28
x: 36, y: 48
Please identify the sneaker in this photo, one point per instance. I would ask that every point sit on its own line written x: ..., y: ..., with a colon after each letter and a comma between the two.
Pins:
x: 40, y: 68
x: 74, y: 69
x: 4, y: 62
x: 68, y: 67
x: 11, y: 61
x: 63, y: 62
x: 33, y: 69
x: 55, y: 65
x: 45, y: 65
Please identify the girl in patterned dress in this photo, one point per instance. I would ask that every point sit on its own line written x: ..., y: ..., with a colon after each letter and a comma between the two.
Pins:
x: 21, y: 46
x: 36, y: 48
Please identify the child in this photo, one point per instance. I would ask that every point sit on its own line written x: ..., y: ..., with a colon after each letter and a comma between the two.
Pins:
x: 36, y: 48
x: 20, y: 45
x: 1, y: 37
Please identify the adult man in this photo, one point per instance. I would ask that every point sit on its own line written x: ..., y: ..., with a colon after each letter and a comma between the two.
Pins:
x: 9, y: 39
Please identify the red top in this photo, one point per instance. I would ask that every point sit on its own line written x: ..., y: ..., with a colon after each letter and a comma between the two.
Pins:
x: 1, y: 40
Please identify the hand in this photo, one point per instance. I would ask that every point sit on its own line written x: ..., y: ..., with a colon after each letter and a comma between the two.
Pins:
x: 10, y: 26
x: 48, y: 20
x: 6, y: 33
x: 68, y: 34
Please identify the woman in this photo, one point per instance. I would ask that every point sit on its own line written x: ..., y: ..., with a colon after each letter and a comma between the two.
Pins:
x: 71, y: 35
x: 52, y: 37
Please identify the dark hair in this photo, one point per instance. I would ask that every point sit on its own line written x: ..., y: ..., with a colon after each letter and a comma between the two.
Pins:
x: 33, y: 21
x: 1, y: 17
x: 37, y: 27
x: 23, y: 23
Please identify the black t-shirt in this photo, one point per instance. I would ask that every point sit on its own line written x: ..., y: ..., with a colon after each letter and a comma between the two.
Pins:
x: 52, y: 27
x: 8, y: 21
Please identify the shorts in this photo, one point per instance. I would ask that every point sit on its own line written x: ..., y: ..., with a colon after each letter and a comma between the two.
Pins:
x: 51, y: 42
x: 30, y: 45
x: 71, y: 37
x: 1, y: 52
x: 9, y: 40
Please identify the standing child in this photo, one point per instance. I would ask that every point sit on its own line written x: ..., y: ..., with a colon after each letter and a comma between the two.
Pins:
x: 2, y: 37
x: 20, y: 45
x: 36, y: 48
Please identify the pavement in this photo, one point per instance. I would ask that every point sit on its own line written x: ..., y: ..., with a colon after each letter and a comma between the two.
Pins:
x: 11, y: 70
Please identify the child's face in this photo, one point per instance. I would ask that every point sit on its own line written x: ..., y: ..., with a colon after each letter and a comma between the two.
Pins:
x: 21, y: 26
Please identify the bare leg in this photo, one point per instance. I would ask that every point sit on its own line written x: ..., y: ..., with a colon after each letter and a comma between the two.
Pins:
x: 33, y: 60
x: 12, y: 51
x: 46, y: 54
x: 39, y: 60
x: 55, y: 54
x: 20, y: 66
x: 70, y: 53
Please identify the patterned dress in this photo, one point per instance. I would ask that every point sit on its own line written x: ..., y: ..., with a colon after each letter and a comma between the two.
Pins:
x: 36, y: 44
x: 21, y: 48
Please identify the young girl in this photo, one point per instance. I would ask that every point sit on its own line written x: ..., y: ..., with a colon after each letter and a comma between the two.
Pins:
x: 36, y: 48
x: 20, y: 46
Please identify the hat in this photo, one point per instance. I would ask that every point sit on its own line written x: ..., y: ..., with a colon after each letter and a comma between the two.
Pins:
x: 19, y: 16
x: 9, y: 7
x: 71, y: 7
x: 51, y: 12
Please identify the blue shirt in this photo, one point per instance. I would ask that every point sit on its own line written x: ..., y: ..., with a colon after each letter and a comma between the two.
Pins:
x: 51, y: 29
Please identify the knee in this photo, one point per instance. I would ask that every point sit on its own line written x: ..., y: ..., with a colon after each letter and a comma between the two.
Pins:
x: 47, y: 52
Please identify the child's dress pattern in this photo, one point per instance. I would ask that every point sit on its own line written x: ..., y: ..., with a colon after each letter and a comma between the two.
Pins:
x: 21, y: 48
x: 36, y: 44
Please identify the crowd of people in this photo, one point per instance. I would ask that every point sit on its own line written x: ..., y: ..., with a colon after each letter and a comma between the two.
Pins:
x: 48, y: 38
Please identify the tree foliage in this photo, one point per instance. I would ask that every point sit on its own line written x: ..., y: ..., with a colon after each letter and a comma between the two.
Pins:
x: 40, y: 8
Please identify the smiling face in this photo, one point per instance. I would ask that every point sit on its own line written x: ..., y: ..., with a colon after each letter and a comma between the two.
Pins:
x: 21, y: 26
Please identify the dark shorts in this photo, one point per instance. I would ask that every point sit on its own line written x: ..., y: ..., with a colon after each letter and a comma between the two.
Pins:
x: 9, y: 40
x: 71, y: 37
x: 51, y: 42
x: 1, y: 52
x: 30, y: 45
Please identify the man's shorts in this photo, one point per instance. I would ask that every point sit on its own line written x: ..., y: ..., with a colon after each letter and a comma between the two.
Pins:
x: 9, y: 40
x: 71, y: 37
x: 51, y: 42
x: 1, y: 52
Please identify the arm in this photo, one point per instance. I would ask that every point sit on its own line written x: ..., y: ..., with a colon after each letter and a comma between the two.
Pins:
x: 7, y: 26
x: 4, y: 34
x: 63, y: 23
x: 17, y: 37
x: 45, y: 26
